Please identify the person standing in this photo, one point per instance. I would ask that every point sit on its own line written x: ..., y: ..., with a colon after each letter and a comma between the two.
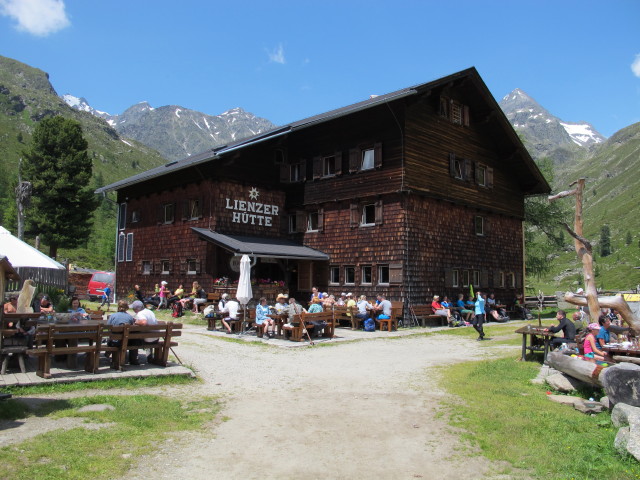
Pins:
x: 163, y: 294
x: 478, y: 321
x: 106, y: 297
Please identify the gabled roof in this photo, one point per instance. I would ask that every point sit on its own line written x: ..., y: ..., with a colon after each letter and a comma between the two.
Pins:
x: 222, y: 150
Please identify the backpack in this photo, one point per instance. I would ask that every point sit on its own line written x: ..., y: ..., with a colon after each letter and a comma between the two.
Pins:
x: 177, y: 310
x: 369, y: 325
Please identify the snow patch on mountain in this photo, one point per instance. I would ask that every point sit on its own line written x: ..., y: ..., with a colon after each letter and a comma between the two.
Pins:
x: 582, y: 133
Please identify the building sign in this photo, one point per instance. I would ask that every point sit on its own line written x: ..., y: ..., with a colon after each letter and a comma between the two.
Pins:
x: 252, y: 212
x: 234, y: 264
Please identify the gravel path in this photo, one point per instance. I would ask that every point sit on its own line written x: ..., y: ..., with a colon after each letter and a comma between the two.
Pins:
x: 367, y: 409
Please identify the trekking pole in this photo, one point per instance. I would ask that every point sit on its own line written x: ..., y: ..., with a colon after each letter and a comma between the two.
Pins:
x: 304, y: 328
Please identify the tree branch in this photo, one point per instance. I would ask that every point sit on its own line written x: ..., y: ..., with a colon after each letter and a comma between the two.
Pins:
x: 566, y: 193
x: 584, y: 241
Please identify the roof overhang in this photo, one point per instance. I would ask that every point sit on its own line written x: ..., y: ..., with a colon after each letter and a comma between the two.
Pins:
x: 260, y: 246
x: 9, y: 272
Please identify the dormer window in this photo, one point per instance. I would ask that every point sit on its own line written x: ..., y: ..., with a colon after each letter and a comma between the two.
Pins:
x: 454, y: 111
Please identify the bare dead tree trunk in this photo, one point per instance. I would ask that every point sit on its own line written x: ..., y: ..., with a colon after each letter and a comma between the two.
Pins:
x: 583, y: 247
x: 617, y: 302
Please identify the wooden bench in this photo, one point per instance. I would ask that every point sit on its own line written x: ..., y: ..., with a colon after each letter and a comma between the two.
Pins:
x: 340, y: 315
x: 295, y: 333
x: 329, y: 329
x: 424, y: 314
x: 64, y: 339
x: 133, y: 337
x: 397, y: 309
x: 12, y: 345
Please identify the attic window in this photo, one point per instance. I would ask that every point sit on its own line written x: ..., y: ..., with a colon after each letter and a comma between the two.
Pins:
x: 454, y: 111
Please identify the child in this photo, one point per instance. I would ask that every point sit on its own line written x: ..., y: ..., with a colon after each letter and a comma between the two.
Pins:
x: 591, y: 349
x: 106, y: 296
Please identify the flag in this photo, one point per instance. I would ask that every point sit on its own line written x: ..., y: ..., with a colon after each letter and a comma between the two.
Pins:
x: 471, y: 290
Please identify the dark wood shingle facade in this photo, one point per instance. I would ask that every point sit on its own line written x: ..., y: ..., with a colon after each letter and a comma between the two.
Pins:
x: 417, y: 192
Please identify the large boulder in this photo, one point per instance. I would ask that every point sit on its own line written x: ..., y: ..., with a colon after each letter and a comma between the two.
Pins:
x: 623, y: 415
x: 564, y: 383
x: 622, y: 384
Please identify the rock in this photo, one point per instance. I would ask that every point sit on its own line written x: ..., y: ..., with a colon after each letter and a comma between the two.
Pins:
x: 563, y: 399
x: 586, y: 406
x: 605, y: 402
x: 622, y: 384
x: 98, y: 407
x: 633, y: 442
x: 563, y: 383
x: 621, y: 441
x: 623, y: 415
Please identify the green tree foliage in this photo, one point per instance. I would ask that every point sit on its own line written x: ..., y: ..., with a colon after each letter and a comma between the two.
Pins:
x: 605, y: 241
x: 58, y: 166
x: 543, y: 233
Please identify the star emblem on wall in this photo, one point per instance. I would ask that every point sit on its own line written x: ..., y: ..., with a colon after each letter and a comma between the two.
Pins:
x: 253, y: 193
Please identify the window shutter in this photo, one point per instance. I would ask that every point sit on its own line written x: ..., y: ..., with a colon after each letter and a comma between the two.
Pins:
x: 354, y: 160
x: 452, y: 165
x: 484, y: 278
x: 301, y: 221
x: 353, y: 215
x: 157, y: 267
x: 317, y: 167
x: 183, y: 266
x: 338, y: 162
x: 395, y: 273
x: 377, y: 155
x: 285, y: 172
x: 489, y: 177
x: 467, y: 170
x: 303, y: 170
x: 320, y: 219
x: 448, y: 277
x: 465, y: 116
x: 379, y: 217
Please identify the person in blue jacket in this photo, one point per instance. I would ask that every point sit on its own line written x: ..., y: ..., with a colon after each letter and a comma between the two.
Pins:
x: 478, y: 321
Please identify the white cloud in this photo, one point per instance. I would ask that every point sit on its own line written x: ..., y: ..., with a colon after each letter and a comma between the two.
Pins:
x: 635, y: 66
x: 277, y: 55
x: 37, y: 17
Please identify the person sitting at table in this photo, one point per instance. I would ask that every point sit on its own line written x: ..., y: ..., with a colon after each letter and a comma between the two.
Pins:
x: 224, y: 298
x: 138, y: 293
x: 186, y: 300
x: 144, y: 316
x: 294, y: 309
x: 577, y: 322
x: 438, y: 309
x: 519, y: 307
x: 316, y: 305
x: 45, y: 305
x: 77, y: 310
x: 462, y: 308
x: 177, y: 296
x: 262, y: 317
x: 568, y: 329
x: 199, y: 298
x: 383, y: 308
x: 12, y: 305
x: 328, y: 302
x: 604, y: 337
x: 342, y: 300
x: 363, y: 307
x: 281, y: 305
x: 315, y: 293
x: 122, y: 317
x: 230, y: 314
x: 590, y: 345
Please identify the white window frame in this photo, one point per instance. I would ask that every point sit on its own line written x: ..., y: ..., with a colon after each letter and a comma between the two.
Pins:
x: 145, y: 270
x: 465, y: 278
x: 363, y: 275
x: 347, y: 269
x: 166, y: 209
x: 121, y: 247
x: 195, y: 209
x: 334, y: 275
x: 190, y: 262
x: 368, y: 161
x: 479, y: 225
x: 122, y: 216
x: 135, y: 216
x: 455, y: 278
x: 329, y: 166
x: 293, y: 223
x: 294, y: 173
x: 129, y: 248
x: 476, y: 278
x: 481, y: 175
x: 310, y: 217
x: 371, y: 221
x: 381, y: 274
x: 165, y: 263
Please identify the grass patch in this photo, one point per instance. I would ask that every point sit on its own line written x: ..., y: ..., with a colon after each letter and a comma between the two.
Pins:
x: 138, y: 424
x: 511, y: 420
x: 126, y: 382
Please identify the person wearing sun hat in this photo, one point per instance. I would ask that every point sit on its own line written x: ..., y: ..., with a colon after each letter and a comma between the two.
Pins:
x: 281, y: 304
x: 590, y: 345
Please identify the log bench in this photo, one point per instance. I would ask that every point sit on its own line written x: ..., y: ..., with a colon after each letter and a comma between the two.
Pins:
x: 424, y: 314
x: 64, y: 339
x: 134, y: 337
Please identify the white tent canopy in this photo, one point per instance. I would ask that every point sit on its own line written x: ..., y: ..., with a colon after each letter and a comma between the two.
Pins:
x: 31, y: 263
x: 22, y: 254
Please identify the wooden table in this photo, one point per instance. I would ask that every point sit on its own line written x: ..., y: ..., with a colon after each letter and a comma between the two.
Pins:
x: 280, y: 319
x: 619, y: 350
x: 534, y: 341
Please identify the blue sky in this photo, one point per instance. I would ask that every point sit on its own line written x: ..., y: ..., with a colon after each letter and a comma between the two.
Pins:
x: 286, y: 60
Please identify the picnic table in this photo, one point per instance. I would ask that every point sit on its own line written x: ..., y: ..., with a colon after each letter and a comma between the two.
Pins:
x: 538, y: 339
x: 623, y: 353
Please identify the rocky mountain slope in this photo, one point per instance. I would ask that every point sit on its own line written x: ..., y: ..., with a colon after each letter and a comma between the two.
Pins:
x: 546, y: 135
x: 178, y: 132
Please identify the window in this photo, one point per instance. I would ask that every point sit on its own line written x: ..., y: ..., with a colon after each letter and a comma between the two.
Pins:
x: 368, y: 215
x: 294, y: 173
x: 476, y: 278
x: 454, y: 111
x: 121, y: 247
x: 165, y: 267
x: 329, y: 166
x: 383, y: 274
x: 192, y: 267
x: 135, y: 216
x: 169, y: 211
x: 457, y: 167
x: 465, y: 278
x: 349, y: 275
x: 368, y: 157
x: 129, y: 253
x: 455, y: 278
x: 293, y: 223
x: 365, y: 272
x: 146, y: 267
x: 122, y: 216
x: 510, y: 280
x: 334, y: 275
x: 312, y: 222
x: 481, y: 175
x: 479, y: 225
x: 194, y: 209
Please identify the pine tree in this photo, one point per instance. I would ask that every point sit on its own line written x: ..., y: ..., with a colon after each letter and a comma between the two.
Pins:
x: 59, y: 168
x: 605, y: 241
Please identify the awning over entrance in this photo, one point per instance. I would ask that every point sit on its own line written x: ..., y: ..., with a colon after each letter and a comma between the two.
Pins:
x: 261, y: 247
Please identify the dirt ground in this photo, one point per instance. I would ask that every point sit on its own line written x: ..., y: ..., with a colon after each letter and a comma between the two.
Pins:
x: 368, y: 409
